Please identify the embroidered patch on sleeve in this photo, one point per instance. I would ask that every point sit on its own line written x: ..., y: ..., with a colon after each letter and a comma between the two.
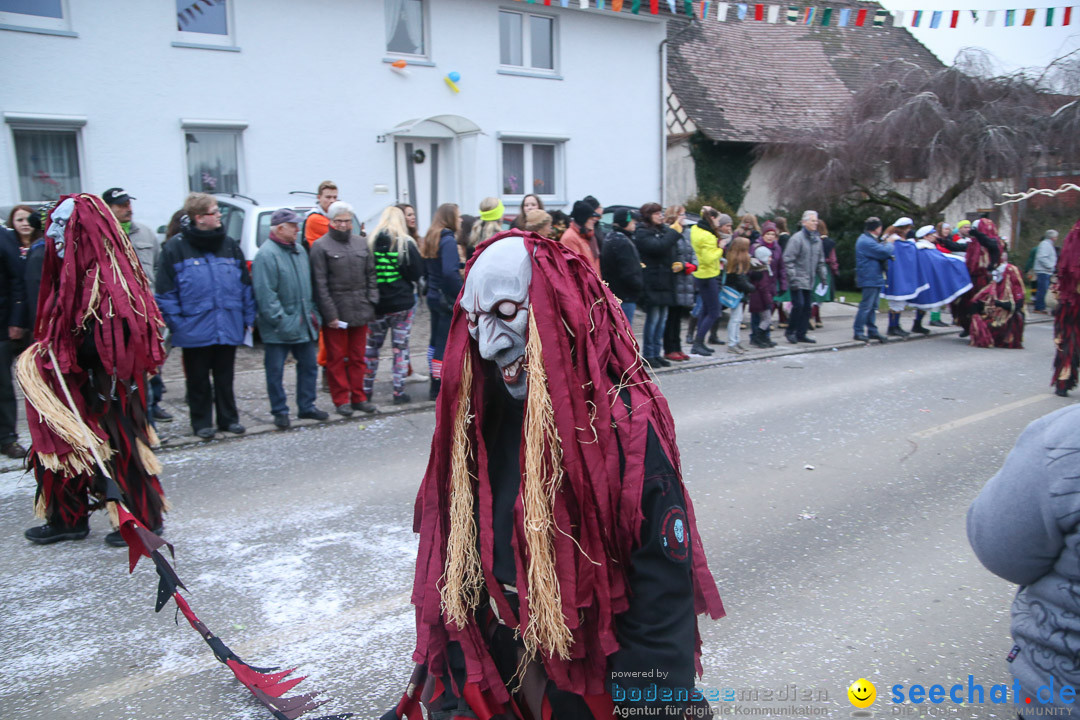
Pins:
x: 675, y: 534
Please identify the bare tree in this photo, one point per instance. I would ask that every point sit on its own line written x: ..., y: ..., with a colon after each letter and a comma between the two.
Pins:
x: 954, y: 127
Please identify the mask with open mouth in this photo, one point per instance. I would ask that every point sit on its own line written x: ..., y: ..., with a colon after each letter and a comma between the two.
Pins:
x: 496, y: 301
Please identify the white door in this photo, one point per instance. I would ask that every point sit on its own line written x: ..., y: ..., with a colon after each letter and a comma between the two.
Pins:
x: 423, y: 175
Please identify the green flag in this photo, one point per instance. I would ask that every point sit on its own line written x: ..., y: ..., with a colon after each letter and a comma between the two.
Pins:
x: 826, y: 17
x: 688, y: 8
x: 635, y: 7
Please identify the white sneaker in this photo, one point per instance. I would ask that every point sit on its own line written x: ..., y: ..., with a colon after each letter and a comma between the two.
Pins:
x: 416, y: 378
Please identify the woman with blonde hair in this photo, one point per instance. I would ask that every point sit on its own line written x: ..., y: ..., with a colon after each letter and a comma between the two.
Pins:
x: 490, y: 223
x: 442, y: 267
x: 398, y: 266
x: 748, y: 227
x: 736, y: 276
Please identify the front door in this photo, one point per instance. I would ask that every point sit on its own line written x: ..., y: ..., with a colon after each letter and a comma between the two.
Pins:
x: 422, y: 174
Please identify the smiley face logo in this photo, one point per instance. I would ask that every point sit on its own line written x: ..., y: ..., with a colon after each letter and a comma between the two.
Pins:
x: 862, y: 693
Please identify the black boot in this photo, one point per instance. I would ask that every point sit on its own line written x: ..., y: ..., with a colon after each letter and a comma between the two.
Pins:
x: 918, y: 326
x: 713, y: 338
x: 433, y: 390
x: 691, y: 326
x: 767, y: 334
x: 757, y: 339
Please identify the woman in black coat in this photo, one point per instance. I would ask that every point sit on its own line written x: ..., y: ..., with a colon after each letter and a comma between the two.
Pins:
x: 656, y: 244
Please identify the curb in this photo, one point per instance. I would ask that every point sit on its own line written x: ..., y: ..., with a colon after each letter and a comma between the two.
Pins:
x: 188, y: 441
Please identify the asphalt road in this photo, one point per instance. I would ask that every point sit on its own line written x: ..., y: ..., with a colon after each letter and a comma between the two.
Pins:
x: 830, y: 488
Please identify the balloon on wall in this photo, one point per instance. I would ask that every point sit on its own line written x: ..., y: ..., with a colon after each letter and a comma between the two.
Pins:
x: 399, y: 66
x: 452, y: 80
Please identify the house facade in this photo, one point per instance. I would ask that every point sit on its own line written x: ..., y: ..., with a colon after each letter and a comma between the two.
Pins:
x: 395, y: 100
x: 741, y: 84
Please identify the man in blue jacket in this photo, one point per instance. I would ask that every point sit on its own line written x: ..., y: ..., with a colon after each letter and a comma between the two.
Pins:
x: 204, y: 292
x: 870, y: 257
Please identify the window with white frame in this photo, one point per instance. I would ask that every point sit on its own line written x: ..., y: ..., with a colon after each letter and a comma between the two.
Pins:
x: 405, y: 27
x: 213, y: 159
x: 47, y: 162
x: 531, y: 167
x: 204, y: 22
x: 526, y: 40
x: 35, y: 14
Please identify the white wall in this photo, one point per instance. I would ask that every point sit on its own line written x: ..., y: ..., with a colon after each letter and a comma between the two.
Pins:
x: 761, y: 198
x: 681, y: 181
x: 312, y: 86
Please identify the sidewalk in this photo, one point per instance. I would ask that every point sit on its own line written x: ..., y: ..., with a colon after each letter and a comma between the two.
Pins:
x: 250, y: 380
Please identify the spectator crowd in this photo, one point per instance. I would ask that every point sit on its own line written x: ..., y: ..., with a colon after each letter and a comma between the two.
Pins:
x: 331, y: 295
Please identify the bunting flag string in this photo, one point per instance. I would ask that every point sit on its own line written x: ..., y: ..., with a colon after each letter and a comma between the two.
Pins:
x: 825, y: 16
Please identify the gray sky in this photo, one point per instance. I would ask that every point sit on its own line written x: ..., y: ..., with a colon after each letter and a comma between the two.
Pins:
x: 1014, y: 47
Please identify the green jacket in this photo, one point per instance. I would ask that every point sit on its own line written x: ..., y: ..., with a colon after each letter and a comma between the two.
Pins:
x: 286, y: 305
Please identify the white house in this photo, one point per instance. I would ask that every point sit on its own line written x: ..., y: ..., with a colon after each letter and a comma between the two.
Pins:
x: 264, y: 97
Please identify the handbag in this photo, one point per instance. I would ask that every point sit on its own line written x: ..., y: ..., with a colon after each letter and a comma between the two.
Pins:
x: 729, y: 296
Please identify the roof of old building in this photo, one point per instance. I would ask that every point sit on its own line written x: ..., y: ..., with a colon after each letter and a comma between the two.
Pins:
x: 755, y: 81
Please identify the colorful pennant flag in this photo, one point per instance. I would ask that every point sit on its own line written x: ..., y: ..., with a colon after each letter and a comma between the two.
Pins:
x: 1029, y: 17
x: 671, y: 6
x: 705, y: 9
x: 916, y: 18
x: 740, y: 10
x: 1067, y: 19
x: 616, y: 5
x: 688, y: 8
x: 721, y: 12
x: 826, y: 17
x: 635, y: 6
x: 990, y: 15
x: 955, y: 18
x: 935, y: 19
x: 880, y: 16
x: 1049, y: 17
x: 898, y: 18
x: 1010, y: 18
x: 808, y: 16
x: 860, y: 18
x: 792, y: 15
x: 759, y: 12
x: 774, y: 13
x: 845, y: 16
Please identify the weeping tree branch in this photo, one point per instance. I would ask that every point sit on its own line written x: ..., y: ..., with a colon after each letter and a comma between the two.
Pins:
x: 953, y: 127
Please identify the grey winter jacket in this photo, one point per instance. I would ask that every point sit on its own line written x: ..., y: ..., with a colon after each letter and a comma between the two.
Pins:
x: 281, y: 277
x: 804, y: 261
x: 147, y: 248
x: 1025, y: 527
x: 684, y: 281
x: 1045, y: 257
x: 343, y: 274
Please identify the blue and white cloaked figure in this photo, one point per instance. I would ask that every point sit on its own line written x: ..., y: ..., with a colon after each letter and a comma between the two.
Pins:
x: 924, y: 277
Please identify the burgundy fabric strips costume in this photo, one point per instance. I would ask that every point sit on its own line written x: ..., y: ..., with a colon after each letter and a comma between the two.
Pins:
x: 585, y: 434
x: 98, y: 335
x: 1067, y: 314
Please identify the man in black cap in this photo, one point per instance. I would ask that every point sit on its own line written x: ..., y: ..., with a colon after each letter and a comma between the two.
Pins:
x: 147, y: 249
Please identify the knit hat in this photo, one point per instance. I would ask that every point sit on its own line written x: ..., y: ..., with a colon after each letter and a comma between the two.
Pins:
x: 582, y: 212
x: 962, y: 223
x: 723, y: 220
x: 622, y: 217
x: 1051, y: 234
x: 769, y: 226
x: 592, y: 201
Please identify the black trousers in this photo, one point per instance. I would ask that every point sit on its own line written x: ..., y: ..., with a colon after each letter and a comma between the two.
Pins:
x: 199, y: 365
x: 799, y: 321
x: 8, y: 413
x: 673, y: 328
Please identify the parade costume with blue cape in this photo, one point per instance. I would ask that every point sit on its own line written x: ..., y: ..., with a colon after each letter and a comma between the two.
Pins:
x: 903, y: 282
x: 924, y: 277
x: 946, y: 275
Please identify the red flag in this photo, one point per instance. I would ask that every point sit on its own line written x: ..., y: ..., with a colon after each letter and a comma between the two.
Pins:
x: 654, y: 7
x: 616, y: 5
x: 860, y: 18
x: 759, y: 12
x: 1029, y: 17
x: 955, y: 18
x: 1068, y: 16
